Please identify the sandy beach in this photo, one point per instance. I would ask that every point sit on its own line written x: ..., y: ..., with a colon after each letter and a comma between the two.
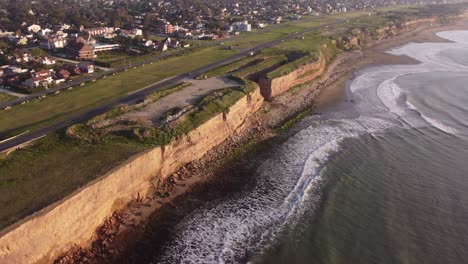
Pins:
x: 346, y: 64
x: 120, y: 234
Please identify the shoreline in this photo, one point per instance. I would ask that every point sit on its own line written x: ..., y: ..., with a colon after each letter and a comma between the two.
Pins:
x: 124, y: 230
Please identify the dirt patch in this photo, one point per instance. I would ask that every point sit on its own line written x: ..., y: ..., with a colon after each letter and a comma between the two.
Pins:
x: 150, y: 115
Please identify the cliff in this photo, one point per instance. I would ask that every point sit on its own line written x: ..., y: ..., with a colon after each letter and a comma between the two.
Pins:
x: 43, y: 236
x: 271, y: 87
x: 359, y: 37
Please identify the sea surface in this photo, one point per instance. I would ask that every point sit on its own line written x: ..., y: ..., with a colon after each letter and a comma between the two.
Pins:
x: 383, y: 178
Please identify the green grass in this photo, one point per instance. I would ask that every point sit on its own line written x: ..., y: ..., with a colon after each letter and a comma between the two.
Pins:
x: 41, y: 112
x: 35, y: 177
x: 291, y: 66
x: 118, y: 59
x: 266, y: 63
x: 251, y: 39
x: 6, y: 97
x: 58, y: 164
x: 228, y: 67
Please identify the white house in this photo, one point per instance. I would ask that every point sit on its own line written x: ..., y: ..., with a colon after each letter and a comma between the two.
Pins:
x: 53, y: 43
x: 45, y: 32
x: 47, y: 61
x: 38, y: 81
x: 243, y: 26
x: 147, y: 43
x: 34, y: 28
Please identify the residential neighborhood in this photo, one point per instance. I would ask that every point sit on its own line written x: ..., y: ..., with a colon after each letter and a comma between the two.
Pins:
x: 36, y: 35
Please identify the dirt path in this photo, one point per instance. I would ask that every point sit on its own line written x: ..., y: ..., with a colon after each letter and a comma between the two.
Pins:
x: 151, y: 113
x: 127, y: 226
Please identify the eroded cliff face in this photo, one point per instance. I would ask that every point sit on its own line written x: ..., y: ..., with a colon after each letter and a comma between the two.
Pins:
x: 42, y: 237
x: 273, y: 87
x: 361, y: 37
x: 409, y: 25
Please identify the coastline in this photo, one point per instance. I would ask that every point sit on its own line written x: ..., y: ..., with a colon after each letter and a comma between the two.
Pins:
x: 128, y: 225
x: 375, y: 55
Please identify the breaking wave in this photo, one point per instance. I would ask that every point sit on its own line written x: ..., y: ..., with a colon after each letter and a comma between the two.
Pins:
x: 235, y: 228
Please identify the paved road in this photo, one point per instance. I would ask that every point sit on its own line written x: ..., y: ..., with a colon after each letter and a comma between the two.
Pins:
x: 139, y: 95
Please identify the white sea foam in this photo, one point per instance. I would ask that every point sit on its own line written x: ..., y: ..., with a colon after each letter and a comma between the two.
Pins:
x: 285, y: 187
x: 229, y: 230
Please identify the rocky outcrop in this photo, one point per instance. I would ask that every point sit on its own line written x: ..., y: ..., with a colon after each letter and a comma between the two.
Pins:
x: 412, y: 24
x: 45, y: 235
x: 271, y: 87
x: 386, y: 31
x: 359, y: 37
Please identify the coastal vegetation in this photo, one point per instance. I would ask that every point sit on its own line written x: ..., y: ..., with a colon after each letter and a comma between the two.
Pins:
x: 56, y: 165
x: 66, y: 160
x: 45, y: 111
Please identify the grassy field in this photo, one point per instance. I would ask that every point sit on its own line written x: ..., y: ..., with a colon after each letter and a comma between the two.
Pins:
x: 6, y: 97
x: 273, y: 32
x: 264, y: 64
x: 229, y: 67
x: 36, y: 176
x: 32, y: 178
x: 41, y: 112
x: 118, y: 59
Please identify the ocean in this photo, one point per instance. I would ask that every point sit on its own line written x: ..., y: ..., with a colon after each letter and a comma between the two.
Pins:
x: 381, y: 178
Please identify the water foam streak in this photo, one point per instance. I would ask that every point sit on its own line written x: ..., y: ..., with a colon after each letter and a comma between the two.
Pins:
x: 232, y: 229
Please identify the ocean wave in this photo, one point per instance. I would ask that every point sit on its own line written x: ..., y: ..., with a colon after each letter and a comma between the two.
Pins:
x: 234, y: 228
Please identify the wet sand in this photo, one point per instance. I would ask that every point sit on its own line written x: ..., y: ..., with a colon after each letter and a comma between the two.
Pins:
x: 374, y: 55
x: 125, y: 236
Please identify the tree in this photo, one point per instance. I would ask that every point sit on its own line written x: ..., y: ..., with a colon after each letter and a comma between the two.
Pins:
x: 38, y: 53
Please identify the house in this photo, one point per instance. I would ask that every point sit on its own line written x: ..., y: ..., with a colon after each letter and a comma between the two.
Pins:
x: 53, y: 43
x: 45, y: 32
x: 38, y: 81
x: 277, y: 20
x: 166, y: 28
x: 209, y: 37
x: 98, y: 47
x: 47, y: 61
x: 34, y: 28
x: 244, y: 26
x: 131, y: 33
x: 147, y: 43
x: 174, y: 44
x: 73, y: 69
x: 43, y: 73
x: 162, y: 46
x: 137, y: 32
x: 61, y: 34
x: 14, y: 69
x: 12, y: 38
x: 21, y: 41
x: 11, y: 79
x: 62, y: 74
x: 110, y: 35
x: 79, y: 49
x: 23, y: 57
x: 5, y: 34
x: 86, y: 67
x: 99, y: 31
